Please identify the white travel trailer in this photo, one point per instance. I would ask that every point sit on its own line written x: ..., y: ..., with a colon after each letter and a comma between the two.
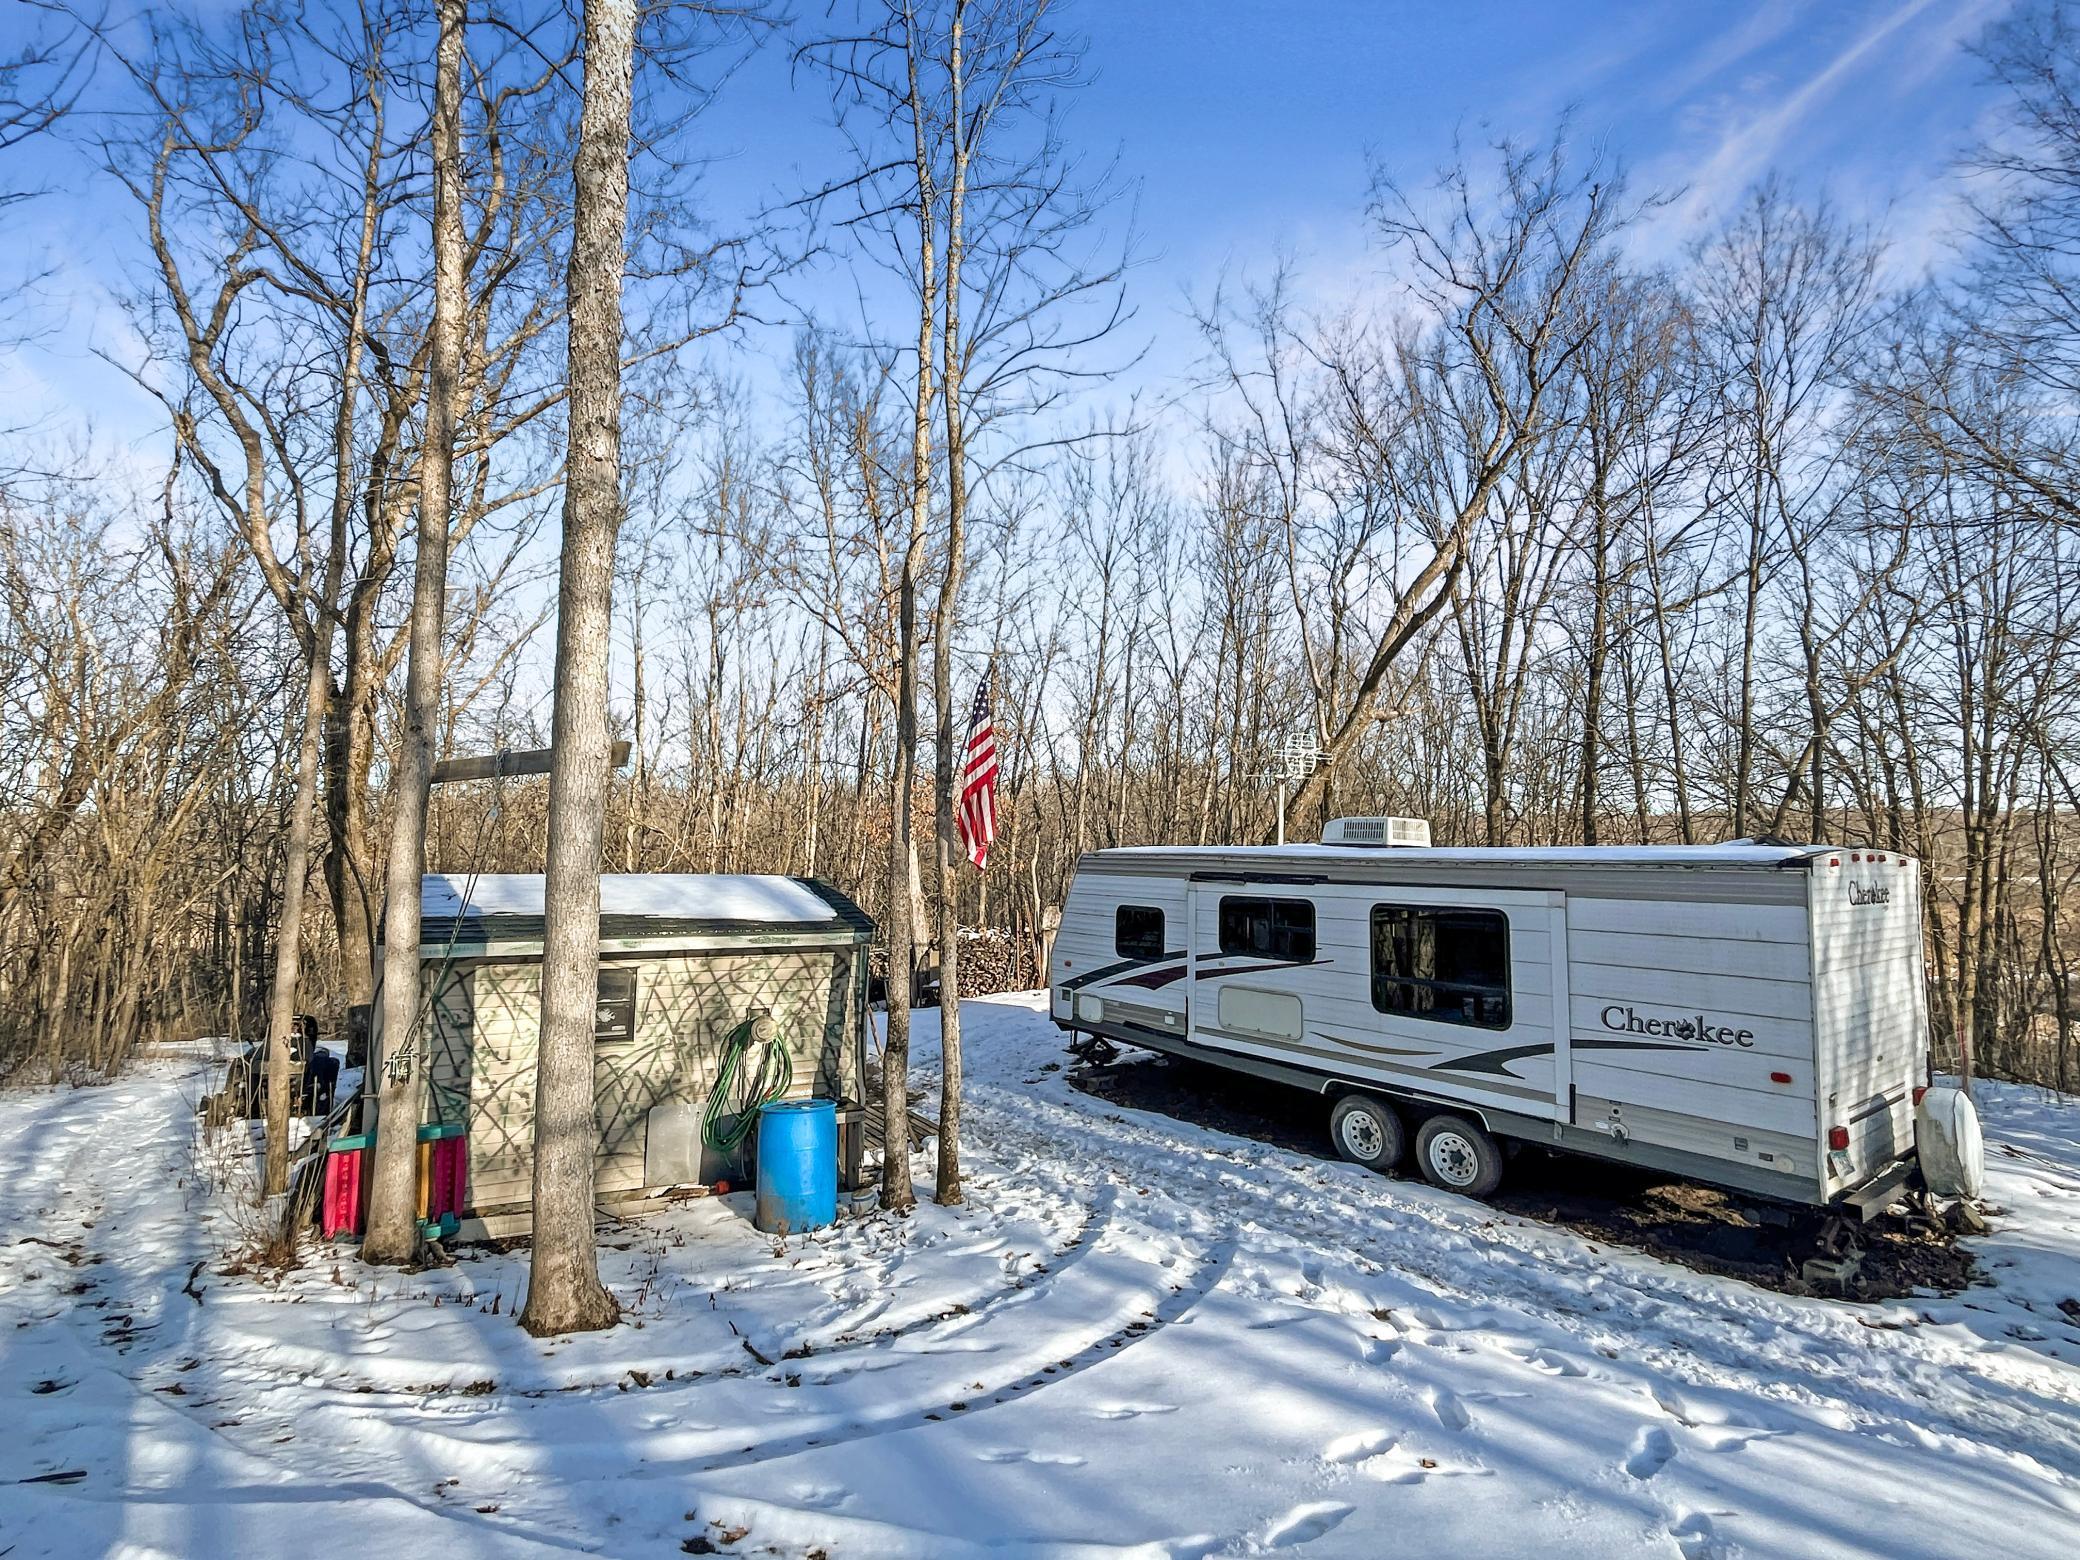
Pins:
x: 1749, y: 1015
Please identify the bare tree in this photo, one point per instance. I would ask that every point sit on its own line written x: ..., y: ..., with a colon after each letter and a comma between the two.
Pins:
x: 393, y: 1234
x: 324, y: 602
x: 1785, y: 296
x: 1502, y: 273
x: 564, y: 1293
x: 41, y: 81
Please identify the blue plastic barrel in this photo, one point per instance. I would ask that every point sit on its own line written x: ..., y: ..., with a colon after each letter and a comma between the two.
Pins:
x: 797, y: 1166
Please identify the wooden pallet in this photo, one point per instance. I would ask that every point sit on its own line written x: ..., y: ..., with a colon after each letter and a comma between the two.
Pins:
x: 922, y: 1127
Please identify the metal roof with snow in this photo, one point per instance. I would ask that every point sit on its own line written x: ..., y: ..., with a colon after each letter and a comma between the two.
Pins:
x: 646, y: 909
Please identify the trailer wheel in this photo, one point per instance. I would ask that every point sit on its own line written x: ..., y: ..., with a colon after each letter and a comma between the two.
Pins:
x: 1458, y: 1156
x: 1367, y: 1132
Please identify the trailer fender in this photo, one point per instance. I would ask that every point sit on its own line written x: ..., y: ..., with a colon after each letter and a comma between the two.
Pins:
x: 1416, y: 1107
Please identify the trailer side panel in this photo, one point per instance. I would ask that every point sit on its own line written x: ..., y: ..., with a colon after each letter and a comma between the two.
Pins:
x: 1872, y: 1012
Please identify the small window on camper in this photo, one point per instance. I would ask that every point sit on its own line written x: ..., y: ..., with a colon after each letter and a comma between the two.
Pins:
x: 1137, y: 932
x: 1269, y: 928
x: 614, y: 1019
x: 1449, y: 966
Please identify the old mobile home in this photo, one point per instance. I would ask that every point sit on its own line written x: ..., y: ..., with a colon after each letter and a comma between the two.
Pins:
x: 1750, y: 1015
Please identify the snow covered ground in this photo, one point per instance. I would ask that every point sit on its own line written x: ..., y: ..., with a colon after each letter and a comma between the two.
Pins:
x: 1138, y: 1337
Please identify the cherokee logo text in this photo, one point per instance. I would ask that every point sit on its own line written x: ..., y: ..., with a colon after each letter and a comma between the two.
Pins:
x: 1691, y: 1027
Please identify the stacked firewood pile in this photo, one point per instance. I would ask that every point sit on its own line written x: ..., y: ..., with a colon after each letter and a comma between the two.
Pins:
x: 993, y: 959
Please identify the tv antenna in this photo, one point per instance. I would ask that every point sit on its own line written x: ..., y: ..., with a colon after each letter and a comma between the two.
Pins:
x: 1296, y: 758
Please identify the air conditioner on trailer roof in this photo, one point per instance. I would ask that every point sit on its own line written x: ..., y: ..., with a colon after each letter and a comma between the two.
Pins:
x: 1376, y: 831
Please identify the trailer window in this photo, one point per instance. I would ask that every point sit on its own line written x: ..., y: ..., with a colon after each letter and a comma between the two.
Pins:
x: 1137, y: 932
x: 1449, y: 966
x: 1269, y: 928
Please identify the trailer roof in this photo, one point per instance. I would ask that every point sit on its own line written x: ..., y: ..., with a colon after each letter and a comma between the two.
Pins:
x: 1742, y: 854
x: 510, y: 908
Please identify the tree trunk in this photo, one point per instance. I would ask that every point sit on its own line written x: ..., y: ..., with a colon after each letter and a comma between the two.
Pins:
x: 564, y: 1293
x: 896, y: 1191
x: 288, y: 963
x: 1596, y: 653
x: 948, y: 767
x: 393, y: 1231
x: 296, y: 865
x: 349, y: 858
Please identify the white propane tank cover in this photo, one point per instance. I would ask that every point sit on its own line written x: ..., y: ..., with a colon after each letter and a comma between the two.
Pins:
x: 1946, y: 1135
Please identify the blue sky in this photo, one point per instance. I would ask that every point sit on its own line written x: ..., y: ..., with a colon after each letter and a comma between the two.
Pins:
x: 1243, y: 128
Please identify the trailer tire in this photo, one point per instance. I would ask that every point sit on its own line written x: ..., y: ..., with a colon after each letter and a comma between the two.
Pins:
x: 1458, y: 1156
x: 1368, y: 1131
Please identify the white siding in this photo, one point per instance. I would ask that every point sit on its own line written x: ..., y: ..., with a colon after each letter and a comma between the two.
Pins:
x: 1716, y: 922
x: 1871, y: 1009
x: 1691, y: 953
x: 1085, y: 946
x: 1346, y: 1034
x: 489, y: 1020
x: 1738, y: 970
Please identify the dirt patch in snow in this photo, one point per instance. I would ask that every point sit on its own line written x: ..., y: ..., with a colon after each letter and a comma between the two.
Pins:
x: 1680, y: 1221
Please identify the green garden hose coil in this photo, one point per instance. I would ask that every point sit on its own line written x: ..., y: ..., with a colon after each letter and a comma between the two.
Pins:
x: 775, y: 1076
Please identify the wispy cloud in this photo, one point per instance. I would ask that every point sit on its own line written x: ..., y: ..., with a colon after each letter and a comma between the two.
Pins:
x: 1763, y: 26
x: 1756, y: 139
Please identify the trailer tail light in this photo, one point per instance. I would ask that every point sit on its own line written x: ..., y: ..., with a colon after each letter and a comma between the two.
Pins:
x: 1838, y: 1139
x: 1920, y: 1093
x: 1780, y: 1077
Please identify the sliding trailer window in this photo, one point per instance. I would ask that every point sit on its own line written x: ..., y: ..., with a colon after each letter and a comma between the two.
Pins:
x: 1137, y: 932
x: 1280, y: 929
x: 1448, y: 966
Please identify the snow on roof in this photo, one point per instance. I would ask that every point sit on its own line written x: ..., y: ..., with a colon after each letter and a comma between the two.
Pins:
x: 1732, y: 855
x: 689, y: 896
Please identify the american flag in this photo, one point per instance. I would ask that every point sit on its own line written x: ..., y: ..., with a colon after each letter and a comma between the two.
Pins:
x: 978, y: 809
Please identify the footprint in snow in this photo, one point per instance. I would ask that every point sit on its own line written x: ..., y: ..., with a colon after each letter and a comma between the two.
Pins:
x: 1358, y: 1445
x: 1377, y: 1351
x: 1651, y: 1451
x: 1696, y: 1413
x: 1674, y: 1405
x: 1397, y: 1464
x: 1450, y: 1412
x: 1022, y: 1454
x: 1305, y: 1524
x: 1130, y: 1410
x: 1694, y: 1537
x: 1554, y: 1363
x: 1732, y: 1439
x: 821, y: 1497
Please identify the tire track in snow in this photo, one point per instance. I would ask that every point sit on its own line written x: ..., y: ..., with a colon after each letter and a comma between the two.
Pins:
x: 78, y: 1177
x: 1022, y: 1384
x: 1546, y: 1281
x: 1097, y: 1219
